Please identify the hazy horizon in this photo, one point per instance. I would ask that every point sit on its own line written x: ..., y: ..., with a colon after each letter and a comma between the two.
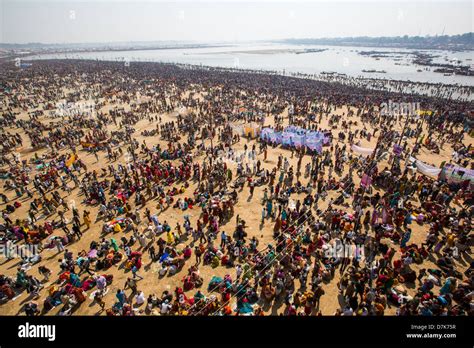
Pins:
x: 108, y: 21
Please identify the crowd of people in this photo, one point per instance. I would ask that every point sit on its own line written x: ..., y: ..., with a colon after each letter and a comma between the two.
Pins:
x: 256, y: 228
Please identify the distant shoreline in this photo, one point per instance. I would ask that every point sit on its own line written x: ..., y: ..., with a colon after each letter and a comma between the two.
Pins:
x: 106, y: 49
x: 336, y: 78
x: 457, y: 43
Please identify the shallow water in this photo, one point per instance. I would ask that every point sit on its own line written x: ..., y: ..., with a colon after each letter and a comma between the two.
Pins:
x: 279, y: 57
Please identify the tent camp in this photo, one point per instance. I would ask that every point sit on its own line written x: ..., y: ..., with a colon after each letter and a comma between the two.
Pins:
x: 251, y: 130
x: 296, y: 137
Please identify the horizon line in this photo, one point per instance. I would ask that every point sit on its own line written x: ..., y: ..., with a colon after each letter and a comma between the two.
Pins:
x: 228, y: 41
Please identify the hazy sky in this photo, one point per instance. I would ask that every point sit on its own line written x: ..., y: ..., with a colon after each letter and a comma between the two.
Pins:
x: 222, y: 20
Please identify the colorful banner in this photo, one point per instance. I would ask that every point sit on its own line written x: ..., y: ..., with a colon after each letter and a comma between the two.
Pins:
x: 456, y: 174
x: 426, y: 169
x: 362, y: 150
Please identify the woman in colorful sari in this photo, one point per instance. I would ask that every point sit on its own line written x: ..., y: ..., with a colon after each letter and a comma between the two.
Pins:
x: 87, y: 219
x: 405, y: 239
x: 269, y: 208
x: 74, y: 279
x: 114, y: 245
x: 284, y: 215
x: 170, y: 238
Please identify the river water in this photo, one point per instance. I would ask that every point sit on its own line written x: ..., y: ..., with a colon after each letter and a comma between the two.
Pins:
x: 279, y: 57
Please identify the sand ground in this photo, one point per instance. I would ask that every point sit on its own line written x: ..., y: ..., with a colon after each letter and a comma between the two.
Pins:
x: 248, y: 208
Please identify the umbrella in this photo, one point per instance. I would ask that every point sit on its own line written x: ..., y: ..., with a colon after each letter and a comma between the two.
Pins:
x: 92, y: 254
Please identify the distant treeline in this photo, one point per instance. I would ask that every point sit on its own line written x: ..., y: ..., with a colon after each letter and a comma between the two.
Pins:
x: 445, y: 42
x: 107, y: 46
